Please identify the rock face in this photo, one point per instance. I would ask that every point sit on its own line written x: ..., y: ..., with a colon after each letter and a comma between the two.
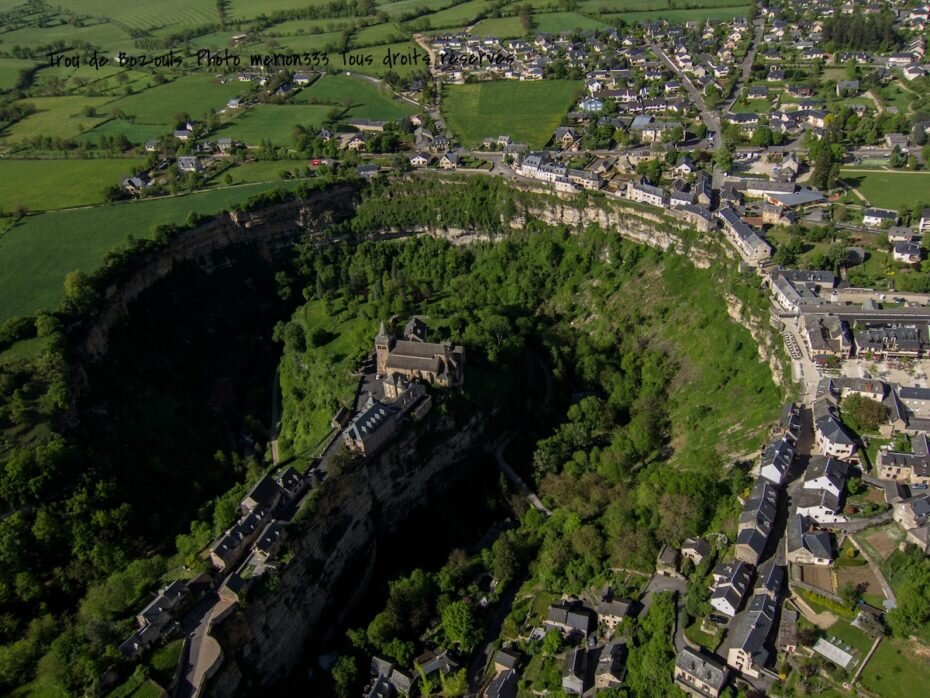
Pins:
x: 270, y: 230
x: 334, y: 553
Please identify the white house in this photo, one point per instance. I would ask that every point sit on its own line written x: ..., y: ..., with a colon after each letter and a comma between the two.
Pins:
x: 877, y: 217
x: 731, y: 582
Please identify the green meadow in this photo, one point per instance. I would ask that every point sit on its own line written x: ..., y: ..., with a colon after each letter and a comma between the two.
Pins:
x: 37, y: 253
x: 526, y: 111
x: 51, y: 184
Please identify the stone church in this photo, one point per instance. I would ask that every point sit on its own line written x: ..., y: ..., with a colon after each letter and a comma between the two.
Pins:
x: 413, y: 357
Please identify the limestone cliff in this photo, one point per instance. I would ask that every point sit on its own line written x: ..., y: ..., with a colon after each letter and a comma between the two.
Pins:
x: 334, y: 553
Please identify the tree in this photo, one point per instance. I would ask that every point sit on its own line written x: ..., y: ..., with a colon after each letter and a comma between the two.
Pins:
x: 552, y: 643
x: 864, y: 414
x: 346, y: 676
x: 460, y: 625
x: 851, y: 593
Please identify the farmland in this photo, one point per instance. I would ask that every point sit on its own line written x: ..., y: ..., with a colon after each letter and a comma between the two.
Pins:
x: 527, y: 111
x: 37, y: 253
x: 175, y: 13
x: 366, y: 99
x: 193, y: 94
x: 10, y: 69
x: 55, y: 116
x: 273, y: 122
x: 890, y: 189
x: 44, y: 184
x: 553, y: 22
x: 690, y: 15
x: 893, y: 660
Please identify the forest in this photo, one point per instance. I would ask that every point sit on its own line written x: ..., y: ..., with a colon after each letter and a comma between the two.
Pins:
x: 638, y: 445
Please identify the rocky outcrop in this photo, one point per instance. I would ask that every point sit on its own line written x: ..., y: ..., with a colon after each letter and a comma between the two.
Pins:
x: 334, y: 553
x: 270, y: 230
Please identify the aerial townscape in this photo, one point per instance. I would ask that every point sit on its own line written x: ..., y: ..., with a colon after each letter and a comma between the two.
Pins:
x: 247, y: 247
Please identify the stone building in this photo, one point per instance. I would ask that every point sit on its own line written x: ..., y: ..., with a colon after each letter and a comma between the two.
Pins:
x: 413, y: 357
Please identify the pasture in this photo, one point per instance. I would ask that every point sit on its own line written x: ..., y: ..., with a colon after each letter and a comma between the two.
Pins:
x: 50, y: 184
x: 693, y: 15
x: 896, y: 668
x: 657, y: 6
x: 378, y: 34
x: 37, y: 253
x: 10, y: 69
x: 368, y: 100
x: 57, y: 117
x: 264, y: 171
x: 136, y: 133
x: 459, y: 15
x: 889, y: 188
x: 527, y: 111
x: 249, y: 9
x: 142, y: 15
x: 193, y: 94
x: 274, y: 122
x: 547, y: 23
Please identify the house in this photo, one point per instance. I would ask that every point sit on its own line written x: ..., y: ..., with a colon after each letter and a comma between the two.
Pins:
x: 611, y: 666
x: 924, y: 225
x: 731, y: 582
x: 831, y: 436
x: 685, y: 167
x: 787, y: 638
x: 505, y: 659
x: 135, y: 185
x: 752, y: 248
x: 354, y: 142
x: 565, y: 136
x: 913, y: 515
x: 828, y: 474
x: 232, y: 545
x: 432, y: 663
x: 847, y: 88
x: 611, y: 611
x: 421, y: 159
x: 233, y: 103
x: 371, y: 427
x: 367, y: 125
x: 225, y: 145
x: 503, y: 685
x: 698, y: 217
x: 699, y: 673
x: 912, y: 468
x: 917, y: 400
x: 877, y: 217
x: 906, y: 252
x: 188, y: 163
x: 151, y: 146
x: 571, y: 617
x: 574, y: 675
x: 667, y: 561
x: 266, y: 494
x: 805, y: 545
x: 755, y: 521
x: 695, y: 549
x: 645, y: 193
x: 450, y: 160
x: 301, y: 78
x: 776, y: 460
x: 367, y: 171
x: 749, y: 636
x: 183, y: 134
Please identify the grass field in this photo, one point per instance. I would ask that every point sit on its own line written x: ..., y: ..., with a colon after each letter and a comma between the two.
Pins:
x: 141, y: 15
x: 50, y: 184
x: 248, y: 9
x: 36, y: 254
x: 596, y: 6
x: 692, y: 15
x: 393, y: 8
x: 10, y: 69
x: 378, y: 34
x: 896, y: 668
x: 889, y: 189
x: 136, y: 133
x: 458, y: 15
x: 103, y: 35
x: 265, y: 171
x: 548, y: 22
x: 274, y: 122
x: 527, y: 111
x: 368, y: 101
x: 192, y: 94
x: 55, y: 116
